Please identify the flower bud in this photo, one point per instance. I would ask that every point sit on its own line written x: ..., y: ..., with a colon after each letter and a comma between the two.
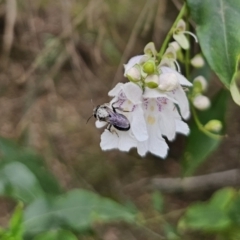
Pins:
x: 200, y: 84
x: 201, y: 102
x: 150, y: 49
x: 134, y: 74
x: 151, y: 81
x: 168, y: 82
x: 167, y: 63
x: 214, y: 126
x: 149, y: 67
x: 170, y: 53
x: 197, y: 61
x: 175, y: 45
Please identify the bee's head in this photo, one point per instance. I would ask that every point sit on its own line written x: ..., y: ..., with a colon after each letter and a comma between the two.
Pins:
x: 95, y: 110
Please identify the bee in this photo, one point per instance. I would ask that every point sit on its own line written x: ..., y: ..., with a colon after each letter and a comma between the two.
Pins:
x: 106, y: 113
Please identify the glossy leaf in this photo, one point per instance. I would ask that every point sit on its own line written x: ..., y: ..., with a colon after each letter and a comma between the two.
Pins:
x: 234, y: 86
x: 219, y: 33
x: 200, y: 146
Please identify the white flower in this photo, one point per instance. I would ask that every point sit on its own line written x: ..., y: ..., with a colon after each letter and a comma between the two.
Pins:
x: 162, y: 118
x: 172, y: 86
x: 178, y: 93
x: 179, y: 34
x: 133, y: 61
x: 151, y: 115
x: 128, y: 101
x: 134, y: 73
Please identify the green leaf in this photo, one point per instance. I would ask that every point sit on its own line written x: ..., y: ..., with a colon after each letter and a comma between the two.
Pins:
x: 219, y: 33
x: 234, y: 89
x: 18, y: 182
x: 40, y: 216
x: 77, y: 209
x: 234, y: 211
x: 200, y: 146
x: 204, y: 217
x: 158, y: 201
x: 11, y: 152
x: 223, y: 198
x: 81, y: 208
x: 16, y: 222
x: 56, y: 235
x: 215, y: 215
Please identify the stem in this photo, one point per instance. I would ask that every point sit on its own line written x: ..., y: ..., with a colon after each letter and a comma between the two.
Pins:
x: 187, y: 56
x: 169, y: 35
x: 201, y: 127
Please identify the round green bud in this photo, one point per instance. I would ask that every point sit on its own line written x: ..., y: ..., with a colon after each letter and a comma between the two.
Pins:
x: 151, y: 81
x: 214, y: 126
x: 149, y: 67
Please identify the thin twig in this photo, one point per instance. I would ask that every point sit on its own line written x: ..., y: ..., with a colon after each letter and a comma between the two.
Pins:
x: 11, y: 15
x: 131, y: 41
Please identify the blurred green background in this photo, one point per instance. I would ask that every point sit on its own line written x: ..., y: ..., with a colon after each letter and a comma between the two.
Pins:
x: 55, y: 57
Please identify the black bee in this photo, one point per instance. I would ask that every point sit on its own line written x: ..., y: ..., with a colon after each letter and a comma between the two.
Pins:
x: 104, y: 113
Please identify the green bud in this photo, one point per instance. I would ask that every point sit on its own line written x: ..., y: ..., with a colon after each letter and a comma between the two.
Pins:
x: 149, y: 67
x: 197, y: 87
x: 151, y: 81
x: 199, y: 84
x: 214, y: 126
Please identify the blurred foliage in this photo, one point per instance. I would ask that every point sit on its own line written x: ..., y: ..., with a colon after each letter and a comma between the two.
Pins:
x: 61, y: 186
x: 220, y: 215
x: 224, y: 56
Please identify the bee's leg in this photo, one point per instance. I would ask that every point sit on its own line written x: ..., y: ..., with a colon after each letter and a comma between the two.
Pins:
x: 109, y: 127
x: 111, y: 131
x: 121, y: 109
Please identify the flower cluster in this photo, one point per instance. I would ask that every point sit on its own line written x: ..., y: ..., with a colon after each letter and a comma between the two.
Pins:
x: 154, y: 102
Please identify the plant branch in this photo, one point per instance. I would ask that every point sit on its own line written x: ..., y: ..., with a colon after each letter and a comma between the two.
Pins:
x: 206, y: 182
x: 169, y: 35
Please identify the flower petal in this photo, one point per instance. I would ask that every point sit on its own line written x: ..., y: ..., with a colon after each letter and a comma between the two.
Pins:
x: 138, y: 124
x: 108, y: 140
x: 131, y: 63
x: 115, y: 91
x: 180, y: 96
x: 117, y: 139
x: 157, y: 145
x: 126, y: 141
x: 156, y: 93
x: 182, y: 80
x: 182, y: 127
x: 142, y: 148
x: 167, y: 124
x: 133, y: 92
x: 182, y: 40
x: 100, y: 124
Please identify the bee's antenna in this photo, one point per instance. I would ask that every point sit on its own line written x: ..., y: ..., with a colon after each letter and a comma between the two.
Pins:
x: 89, y: 118
x: 93, y: 103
